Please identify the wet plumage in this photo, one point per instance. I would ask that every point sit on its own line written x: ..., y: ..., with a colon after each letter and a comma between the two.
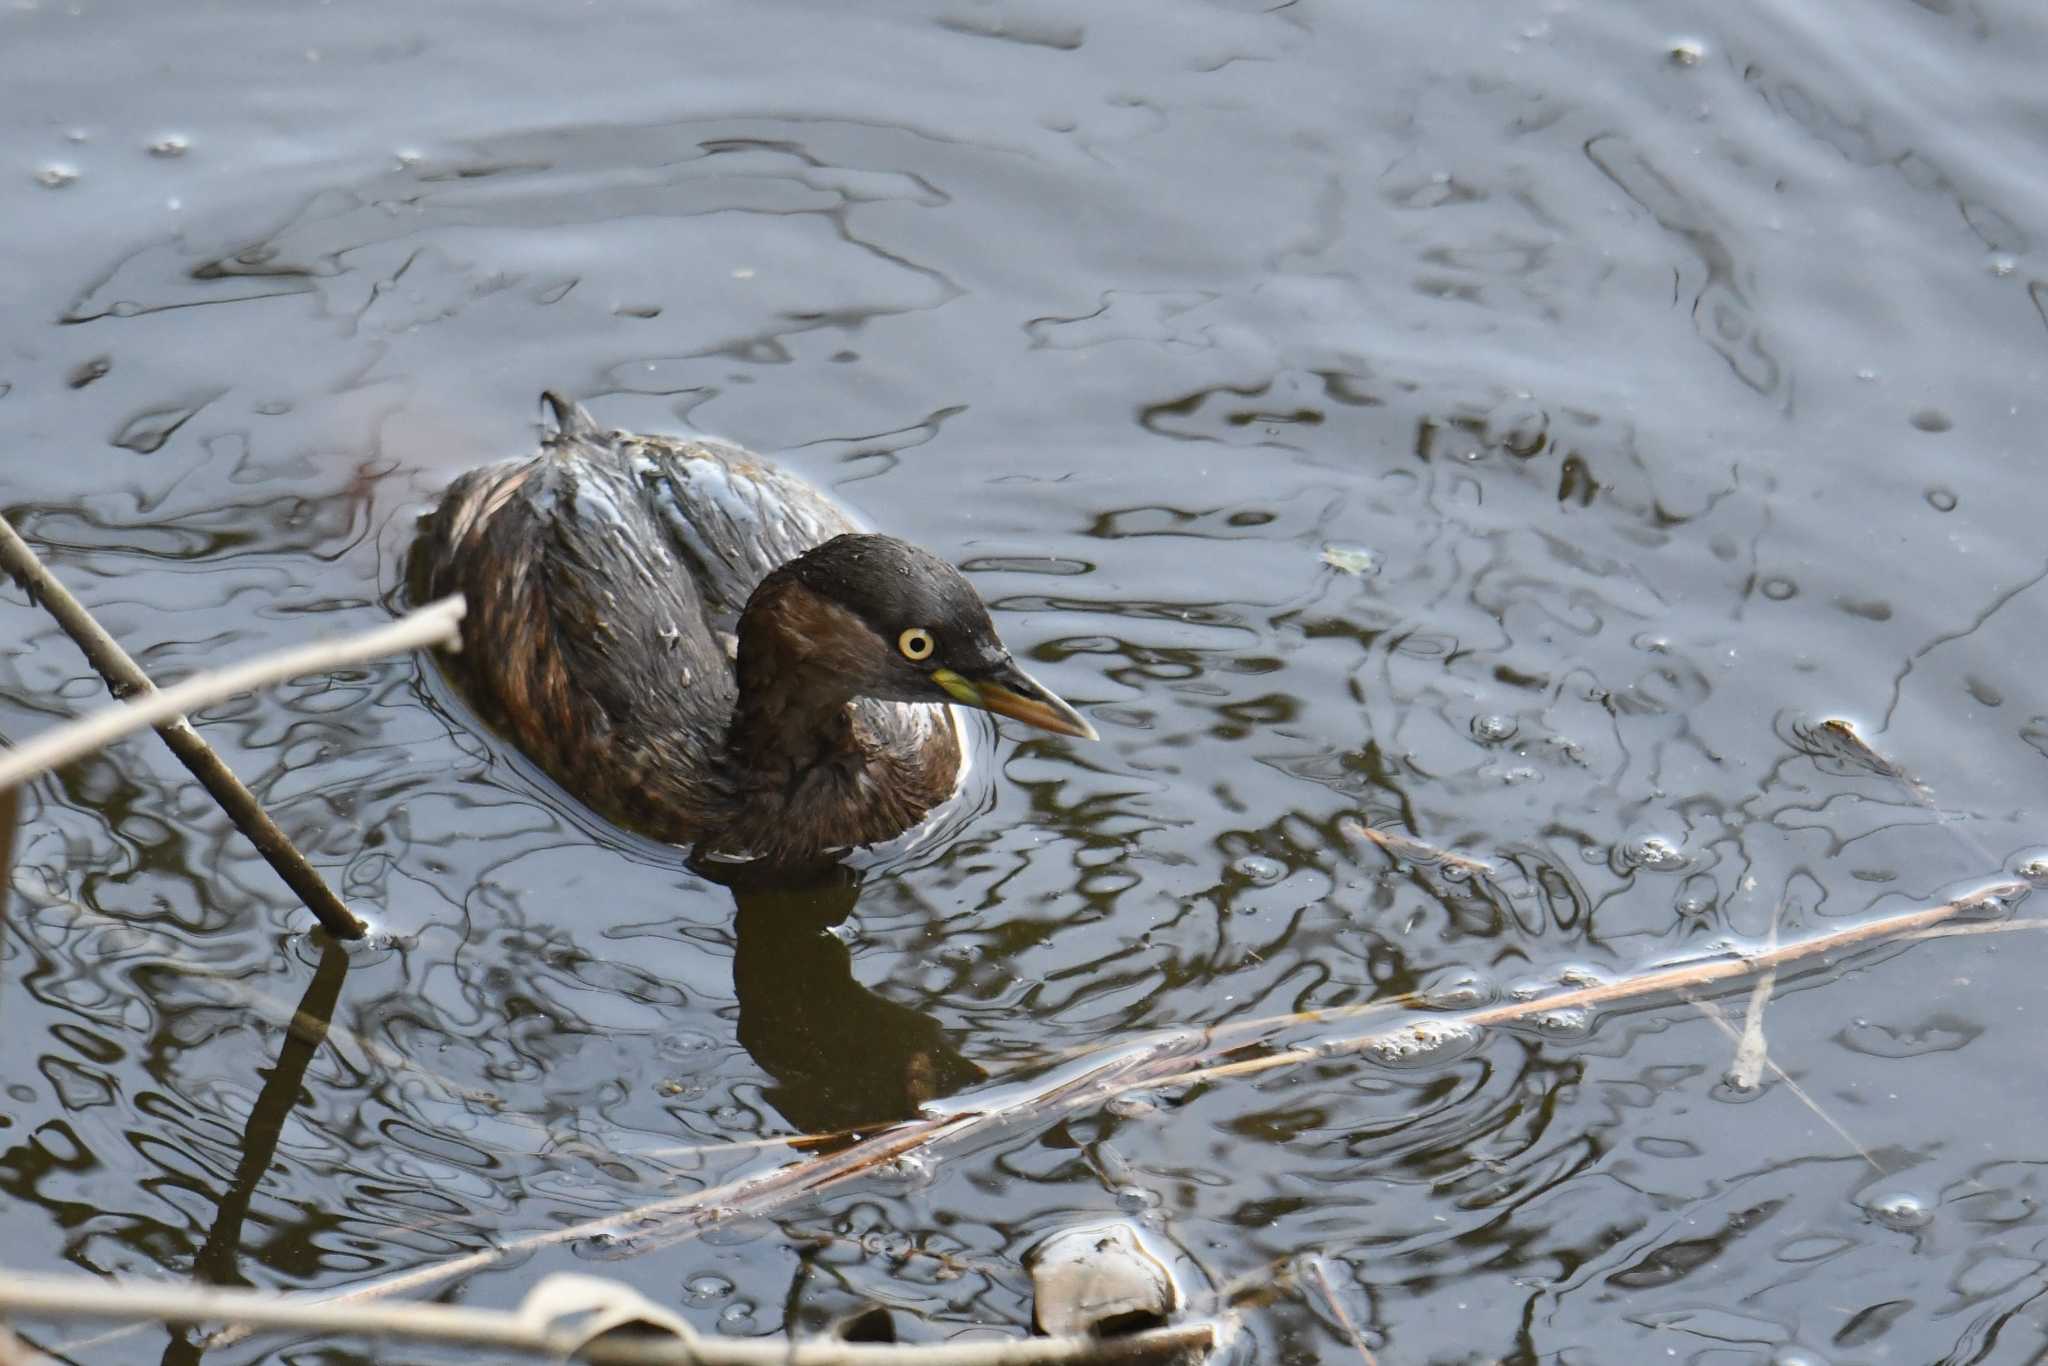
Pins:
x: 706, y: 649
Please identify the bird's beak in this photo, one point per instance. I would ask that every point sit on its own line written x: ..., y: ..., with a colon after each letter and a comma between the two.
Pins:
x: 1008, y: 691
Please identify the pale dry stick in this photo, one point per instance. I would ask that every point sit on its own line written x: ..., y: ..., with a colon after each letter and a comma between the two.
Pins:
x: 81, y: 1297
x: 747, y: 1196
x: 15, y: 1352
x: 1747, y: 1068
x: 1847, y: 734
x: 1414, y: 850
x: 435, y: 624
x: 1676, y: 979
x: 1995, y: 927
x: 1124, y: 1068
x: 126, y: 680
x: 1719, y: 1020
x: 1321, y: 1275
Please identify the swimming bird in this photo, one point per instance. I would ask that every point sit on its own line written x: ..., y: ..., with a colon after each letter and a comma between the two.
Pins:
x: 707, y: 650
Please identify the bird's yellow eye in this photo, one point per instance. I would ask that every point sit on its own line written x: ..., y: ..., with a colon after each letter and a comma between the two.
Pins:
x: 916, y: 643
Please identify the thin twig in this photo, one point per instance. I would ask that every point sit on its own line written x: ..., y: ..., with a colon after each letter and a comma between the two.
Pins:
x: 15, y: 1352
x: 1320, y: 1274
x: 1746, y: 1071
x: 1681, y: 978
x: 1719, y: 1020
x: 126, y: 680
x: 81, y: 1297
x: 1413, y: 850
x: 1845, y: 734
x: 435, y: 624
x: 1158, y: 1061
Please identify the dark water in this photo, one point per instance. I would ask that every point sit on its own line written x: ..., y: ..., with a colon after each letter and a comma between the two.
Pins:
x: 1661, y: 379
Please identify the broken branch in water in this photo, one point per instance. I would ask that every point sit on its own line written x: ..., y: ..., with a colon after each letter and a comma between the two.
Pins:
x: 554, y: 1321
x: 145, y: 705
x: 1413, y: 850
x: 1170, y: 1060
x: 435, y: 624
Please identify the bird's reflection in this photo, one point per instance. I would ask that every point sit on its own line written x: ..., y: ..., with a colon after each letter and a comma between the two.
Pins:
x: 842, y: 1056
x: 219, y: 1260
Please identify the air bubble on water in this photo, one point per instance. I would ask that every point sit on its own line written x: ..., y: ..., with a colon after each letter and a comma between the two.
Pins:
x: 1899, y: 1210
x: 736, y: 1313
x: 1493, y: 728
x: 170, y: 145
x: 708, y: 1288
x: 2002, y: 264
x: 1260, y: 869
x: 1136, y: 1199
x: 1940, y: 499
x: 56, y: 175
x: 1686, y: 52
x: 1796, y: 1356
x: 1696, y: 898
x: 603, y: 1245
x: 1577, y: 975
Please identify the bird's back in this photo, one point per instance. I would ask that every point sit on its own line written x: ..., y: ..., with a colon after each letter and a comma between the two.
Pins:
x: 605, y: 577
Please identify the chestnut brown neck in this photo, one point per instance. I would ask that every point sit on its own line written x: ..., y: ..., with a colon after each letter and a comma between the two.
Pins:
x: 805, y: 773
x: 796, y: 652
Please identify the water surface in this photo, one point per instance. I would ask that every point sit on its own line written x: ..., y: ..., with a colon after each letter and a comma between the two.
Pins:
x: 1513, y: 426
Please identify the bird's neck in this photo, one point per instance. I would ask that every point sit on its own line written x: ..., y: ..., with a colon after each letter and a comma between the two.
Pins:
x: 793, y: 710
x: 805, y: 772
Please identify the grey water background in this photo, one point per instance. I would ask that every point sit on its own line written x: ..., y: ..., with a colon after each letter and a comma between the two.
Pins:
x: 1660, y: 379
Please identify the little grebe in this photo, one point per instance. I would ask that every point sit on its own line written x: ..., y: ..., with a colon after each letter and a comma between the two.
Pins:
x: 706, y: 650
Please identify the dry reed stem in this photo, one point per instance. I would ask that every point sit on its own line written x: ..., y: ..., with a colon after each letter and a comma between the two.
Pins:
x: 1125, y: 1067
x: 1719, y: 1020
x: 1922, y: 795
x: 437, y: 623
x: 126, y: 680
x: 82, y: 1297
x: 1414, y: 850
x: 1676, y: 979
x: 1751, y: 1052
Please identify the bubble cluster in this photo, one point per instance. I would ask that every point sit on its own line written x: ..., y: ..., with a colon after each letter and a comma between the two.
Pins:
x: 1423, y: 1041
